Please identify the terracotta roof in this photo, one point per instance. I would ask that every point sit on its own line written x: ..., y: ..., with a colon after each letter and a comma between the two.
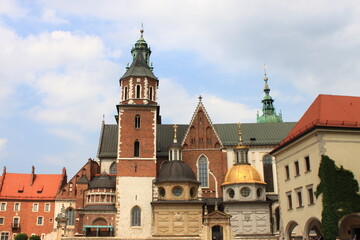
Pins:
x: 328, y: 111
x: 18, y: 185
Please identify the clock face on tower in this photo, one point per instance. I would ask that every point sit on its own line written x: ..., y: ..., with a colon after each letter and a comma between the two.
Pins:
x: 177, y: 191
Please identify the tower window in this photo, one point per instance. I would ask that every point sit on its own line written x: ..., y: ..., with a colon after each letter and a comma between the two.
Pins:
x: 112, y: 169
x: 138, y: 89
x: 136, y: 216
x: 151, y: 93
x: 137, y: 121
x: 125, y: 93
x: 268, y: 173
x: 70, y: 214
x: 136, y: 148
x: 203, y: 171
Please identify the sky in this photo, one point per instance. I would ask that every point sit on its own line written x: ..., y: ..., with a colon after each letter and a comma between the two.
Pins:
x: 60, y: 64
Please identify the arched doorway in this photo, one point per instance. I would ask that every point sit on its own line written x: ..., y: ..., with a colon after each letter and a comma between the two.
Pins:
x: 293, y: 231
x: 313, y: 229
x: 217, y: 233
x: 349, y: 226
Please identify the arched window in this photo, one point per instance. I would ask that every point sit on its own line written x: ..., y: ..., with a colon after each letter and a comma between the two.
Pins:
x: 112, y: 169
x: 268, y: 173
x: 135, y: 216
x: 125, y: 93
x: 151, y: 93
x: 203, y: 171
x: 137, y: 121
x: 70, y: 214
x: 138, y: 91
x: 136, y: 148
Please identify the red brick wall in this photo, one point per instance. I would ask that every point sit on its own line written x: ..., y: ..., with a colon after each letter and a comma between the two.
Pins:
x: 137, y: 168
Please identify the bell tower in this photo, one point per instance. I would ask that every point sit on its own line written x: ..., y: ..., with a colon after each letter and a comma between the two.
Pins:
x: 138, y: 115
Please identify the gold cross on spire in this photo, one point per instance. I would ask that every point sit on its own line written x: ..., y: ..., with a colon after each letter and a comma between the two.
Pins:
x: 175, y: 130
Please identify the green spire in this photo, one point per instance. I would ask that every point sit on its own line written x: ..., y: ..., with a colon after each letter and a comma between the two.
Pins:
x: 269, y: 112
x: 140, y: 66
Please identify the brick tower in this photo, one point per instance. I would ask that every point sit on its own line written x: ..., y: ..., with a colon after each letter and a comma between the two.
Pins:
x: 138, y: 114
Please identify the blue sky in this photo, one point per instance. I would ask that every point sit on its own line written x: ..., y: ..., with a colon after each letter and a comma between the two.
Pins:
x: 61, y: 61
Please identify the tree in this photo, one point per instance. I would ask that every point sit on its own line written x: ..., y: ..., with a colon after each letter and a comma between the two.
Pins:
x: 34, y: 237
x: 339, y: 195
x: 21, y: 236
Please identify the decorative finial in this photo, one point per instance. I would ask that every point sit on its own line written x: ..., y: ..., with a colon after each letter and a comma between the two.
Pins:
x: 175, y: 130
x: 142, y: 30
x: 200, y: 98
x: 240, y: 135
x: 103, y: 117
x: 265, y: 77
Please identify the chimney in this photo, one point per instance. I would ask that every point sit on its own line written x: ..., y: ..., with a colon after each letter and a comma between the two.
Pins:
x: 2, y: 178
x: 32, y: 175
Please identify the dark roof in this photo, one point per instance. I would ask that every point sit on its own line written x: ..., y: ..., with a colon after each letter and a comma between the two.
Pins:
x: 83, y: 179
x: 139, y: 68
x: 100, y: 208
x: 103, y: 181
x: 175, y: 171
x: 253, y: 134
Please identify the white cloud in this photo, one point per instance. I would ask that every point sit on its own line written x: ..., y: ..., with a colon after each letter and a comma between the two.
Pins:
x: 2, y: 143
x: 12, y: 9
x: 49, y: 15
x: 177, y: 106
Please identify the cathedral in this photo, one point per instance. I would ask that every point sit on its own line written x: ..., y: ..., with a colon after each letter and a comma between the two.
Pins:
x: 175, y: 181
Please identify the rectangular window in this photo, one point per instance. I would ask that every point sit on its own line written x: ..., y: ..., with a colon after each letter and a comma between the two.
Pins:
x: 311, y: 195
x: 287, y: 172
x: 16, y: 207
x: 16, y: 222
x: 299, y: 195
x: 35, y: 207
x: 307, y: 163
x: 4, y: 236
x: 1, y: 221
x: 297, y: 169
x: 3, y: 206
x: 47, y: 207
x: 40, y: 221
x: 288, y: 194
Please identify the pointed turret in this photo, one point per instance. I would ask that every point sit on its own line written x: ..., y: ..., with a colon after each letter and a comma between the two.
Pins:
x: 269, y: 112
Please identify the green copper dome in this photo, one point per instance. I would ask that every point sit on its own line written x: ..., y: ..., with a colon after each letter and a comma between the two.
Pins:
x: 269, y: 113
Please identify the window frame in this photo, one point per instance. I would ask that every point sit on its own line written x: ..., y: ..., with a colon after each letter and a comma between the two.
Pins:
x: 45, y: 207
x: 17, y: 209
x: 289, y: 200
x: 3, y: 220
x: 3, y: 206
x: 136, y: 148
x: 137, y: 121
x: 287, y: 172
x: 138, y: 90
x: 311, y: 196
x: 37, y: 207
x: 203, y: 171
x: 135, y: 217
x: 297, y: 168
x: 307, y: 163
x: 42, y: 221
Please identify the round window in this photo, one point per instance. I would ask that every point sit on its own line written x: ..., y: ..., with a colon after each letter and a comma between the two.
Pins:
x: 162, y: 192
x: 245, y: 191
x: 231, y: 193
x: 193, y: 192
x: 177, y: 191
x: 259, y: 192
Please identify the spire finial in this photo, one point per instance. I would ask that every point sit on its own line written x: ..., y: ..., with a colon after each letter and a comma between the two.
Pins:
x: 200, y: 98
x: 265, y: 77
x: 175, y: 130
x: 240, y: 135
x: 142, y: 30
x: 103, y: 117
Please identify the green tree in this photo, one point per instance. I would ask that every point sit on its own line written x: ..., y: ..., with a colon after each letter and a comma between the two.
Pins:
x: 34, y: 237
x: 21, y: 236
x: 339, y: 195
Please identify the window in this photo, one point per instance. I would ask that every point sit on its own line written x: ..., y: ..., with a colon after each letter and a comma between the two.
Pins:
x: 288, y: 194
x: 70, y: 187
x: 125, y: 93
x: 299, y: 195
x: 245, y: 191
x: 177, y: 191
x: 47, y: 207
x: 16, y: 207
x: 71, y: 216
x: 136, y: 216
x: 40, y: 221
x: 268, y: 173
x: 4, y: 236
x: 307, y: 163
x: 1, y: 221
x: 138, y: 91
x: 112, y: 169
x: 3, y: 206
x: 287, y: 172
x: 231, y: 193
x: 137, y: 121
x: 16, y: 222
x: 136, y: 148
x: 297, y: 169
x: 311, y: 194
x: 35, y: 207
x: 151, y: 93
x: 203, y: 171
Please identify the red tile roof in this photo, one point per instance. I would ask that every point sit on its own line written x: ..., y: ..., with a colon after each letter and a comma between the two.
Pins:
x: 328, y: 110
x: 18, y: 185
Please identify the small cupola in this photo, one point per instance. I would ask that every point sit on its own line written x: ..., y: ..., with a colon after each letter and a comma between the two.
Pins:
x: 176, y: 181
x: 241, y: 151
x: 175, y: 147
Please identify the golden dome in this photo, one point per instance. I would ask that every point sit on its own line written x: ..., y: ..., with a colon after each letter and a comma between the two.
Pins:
x: 242, y: 173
